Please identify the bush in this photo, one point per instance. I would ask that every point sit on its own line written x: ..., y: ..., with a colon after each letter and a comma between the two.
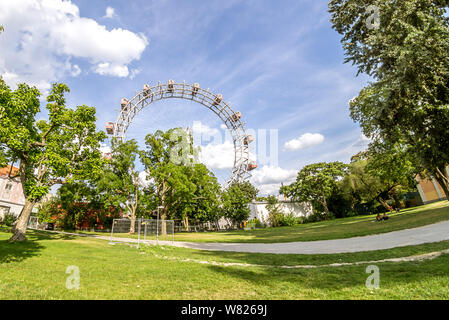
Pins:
x: 9, y: 219
x: 254, y: 224
x: 289, y: 220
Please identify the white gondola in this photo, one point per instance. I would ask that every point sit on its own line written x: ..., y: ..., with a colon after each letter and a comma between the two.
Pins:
x: 251, y: 166
x: 110, y: 127
x: 146, y: 90
x: 218, y: 99
x: 195, y: 89
x: 236, y: 116
x: 248, y: 139
x: 171, y: 85
x: 124, y: 102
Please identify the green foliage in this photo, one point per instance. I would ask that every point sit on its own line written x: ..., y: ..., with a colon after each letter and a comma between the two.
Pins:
x: 8, y: 219
x: 47, y: 210
x: 186, y: 189
x: 277, y: 218
x: 275, y: 215
x: 255, y: 224
x: 248, y: 189
x: 61, y: 149
x: 315, y: 183
x: 235, y: 203
x: 119, y: 184
x: 408, y: 57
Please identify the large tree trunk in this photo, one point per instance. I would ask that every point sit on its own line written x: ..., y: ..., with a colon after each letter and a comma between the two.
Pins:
x: 163, y: 215
x: 132, y: 228
x: 397, y: 201
x: 20, y: 226
x: 326, y: 209
x: 132, y: 210
x: 163, y: 223
x: 443, y: 180
x: 383, y: 203
x: 186, y: 223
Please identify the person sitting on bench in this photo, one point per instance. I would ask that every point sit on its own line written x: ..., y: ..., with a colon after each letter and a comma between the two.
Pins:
x: 378, y: 217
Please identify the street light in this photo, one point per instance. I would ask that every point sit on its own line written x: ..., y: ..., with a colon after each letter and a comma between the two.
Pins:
x: 157, y: 228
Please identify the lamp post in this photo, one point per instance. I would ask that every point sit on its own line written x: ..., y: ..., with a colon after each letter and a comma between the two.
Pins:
x: 157, y: 225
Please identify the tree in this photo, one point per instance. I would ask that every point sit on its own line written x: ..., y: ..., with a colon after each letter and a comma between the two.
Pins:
x: 315, y: 183
x: 408, y: 58
x: 204, y: 200
x: 62, y: 149
x: 119, y: 183
x: 235, y: 203
x: 394, y: 165
x: 275, y: 215
x: 248, y: 189
x: 166, y: 158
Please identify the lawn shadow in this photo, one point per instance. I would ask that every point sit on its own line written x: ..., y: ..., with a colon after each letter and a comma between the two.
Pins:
x: 19, y: 251
x: 392, y: 275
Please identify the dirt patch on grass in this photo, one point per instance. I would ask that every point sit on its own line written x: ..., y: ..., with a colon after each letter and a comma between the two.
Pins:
x: 421, y: 257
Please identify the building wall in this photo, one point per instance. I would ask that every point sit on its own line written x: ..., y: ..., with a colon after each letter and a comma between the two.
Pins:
x: 9, y: 208
x: 259, y: 210
x: 430, y: 190
x: 11, y: 196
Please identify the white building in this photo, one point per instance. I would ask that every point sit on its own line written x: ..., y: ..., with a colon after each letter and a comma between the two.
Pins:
x: 12, y: 199
x: 259, y: 210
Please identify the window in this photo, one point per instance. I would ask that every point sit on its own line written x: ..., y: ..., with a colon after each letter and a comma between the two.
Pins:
x: 8, y: 189
x: 4, y: 211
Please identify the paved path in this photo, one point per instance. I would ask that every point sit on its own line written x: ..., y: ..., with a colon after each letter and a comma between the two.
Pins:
x: 408, y: 237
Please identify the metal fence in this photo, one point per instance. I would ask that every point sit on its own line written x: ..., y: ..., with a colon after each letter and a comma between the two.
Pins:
x: 195, y: 226
x: 143, y: 231
x: 33, y: 223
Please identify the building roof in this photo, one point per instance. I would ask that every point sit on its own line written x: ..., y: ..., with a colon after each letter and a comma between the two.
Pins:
x: 5, y: 171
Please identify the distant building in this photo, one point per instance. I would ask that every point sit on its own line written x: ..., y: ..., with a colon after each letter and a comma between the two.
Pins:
x: 298, y: 209
x: 12, y: 199
x: 430, y: 190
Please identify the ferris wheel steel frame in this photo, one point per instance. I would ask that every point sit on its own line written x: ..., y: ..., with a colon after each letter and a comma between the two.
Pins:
x: 214, y: 102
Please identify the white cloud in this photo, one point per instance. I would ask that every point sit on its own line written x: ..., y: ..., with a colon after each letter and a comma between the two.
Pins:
x: 270, y: 175
x: 104, y: 148
x: 268, y: 179
x: 42, y: 37
x: 134, y: 73
x: 110, y: 13
x: 305, y: 141
x: 76, y: 70
x: 143, y: 179
x: 109, y: 69
x: 202, y: 134
x: 218, y: 156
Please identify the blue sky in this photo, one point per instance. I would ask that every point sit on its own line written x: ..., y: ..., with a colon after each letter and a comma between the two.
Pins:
x: 278, y: 62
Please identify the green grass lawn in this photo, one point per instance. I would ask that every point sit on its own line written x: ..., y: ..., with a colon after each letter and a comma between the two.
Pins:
x: 36, y: 269
x: 326, y: 230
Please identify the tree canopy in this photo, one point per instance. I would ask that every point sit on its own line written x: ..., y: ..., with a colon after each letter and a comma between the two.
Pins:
x: 62, y: 149
x: 315, y: 183
x: 407, y: 55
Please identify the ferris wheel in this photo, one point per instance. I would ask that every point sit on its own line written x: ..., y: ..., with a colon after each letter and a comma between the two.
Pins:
x: 231, y: 119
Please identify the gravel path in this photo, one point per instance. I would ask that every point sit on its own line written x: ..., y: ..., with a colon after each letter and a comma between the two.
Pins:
x: 431, y: 233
